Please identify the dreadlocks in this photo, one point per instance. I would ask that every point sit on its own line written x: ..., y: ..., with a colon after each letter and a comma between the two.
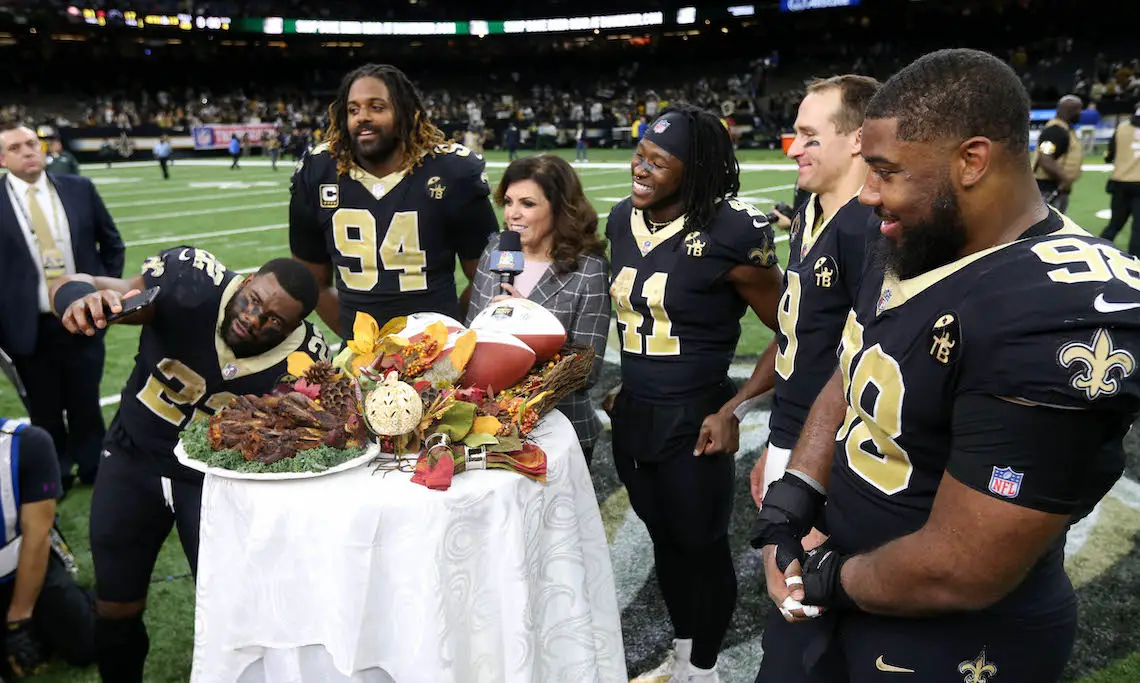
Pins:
x: 712, y: 173
x: 419, y: 134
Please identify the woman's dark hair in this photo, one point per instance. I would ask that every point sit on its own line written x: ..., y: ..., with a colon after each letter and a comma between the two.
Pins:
x: 712, y: 173
x: 575, y: 220
x: 419, y: 135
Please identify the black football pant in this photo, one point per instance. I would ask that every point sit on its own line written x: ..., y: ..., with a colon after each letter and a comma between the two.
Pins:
x: 685, y: 502
x: 63, y: 374
x: 132, y: 512
x: 981, y: 647
x: 1125, y: 204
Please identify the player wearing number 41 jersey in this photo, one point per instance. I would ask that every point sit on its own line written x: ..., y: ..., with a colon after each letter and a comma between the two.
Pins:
x: 210, y: 335
x: 688, y: 260
x: 386, y: 205
x: 987, y: 376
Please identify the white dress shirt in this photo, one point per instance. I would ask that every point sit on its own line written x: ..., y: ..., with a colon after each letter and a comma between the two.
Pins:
x: 57, y: 219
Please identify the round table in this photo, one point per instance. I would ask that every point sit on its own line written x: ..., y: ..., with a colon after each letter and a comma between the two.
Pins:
x: 361, y: 576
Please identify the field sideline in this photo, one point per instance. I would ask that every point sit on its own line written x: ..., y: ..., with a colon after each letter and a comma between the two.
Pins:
x: 241, y: 216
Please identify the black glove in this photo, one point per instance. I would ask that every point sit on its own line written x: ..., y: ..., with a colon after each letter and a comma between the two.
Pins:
x: 790, y: 509
x: 822, y: 584
x: 24, y: 650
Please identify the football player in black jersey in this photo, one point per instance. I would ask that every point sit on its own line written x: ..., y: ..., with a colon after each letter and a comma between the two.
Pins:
x: 386, y: 204
x: 987, y: 376
x: 688, y: 260
x: 830, y: 234
x: 210, y: 335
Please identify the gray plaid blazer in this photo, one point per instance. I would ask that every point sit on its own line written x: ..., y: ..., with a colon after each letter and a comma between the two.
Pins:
x: 581, y: 302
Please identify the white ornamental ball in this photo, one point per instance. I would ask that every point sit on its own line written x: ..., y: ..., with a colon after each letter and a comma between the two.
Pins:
x: 393, y: 408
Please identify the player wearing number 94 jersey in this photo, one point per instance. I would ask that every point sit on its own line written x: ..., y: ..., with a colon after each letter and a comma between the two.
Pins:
x: 987, y: 376
x: 210, y: 334
x: 386, y: 205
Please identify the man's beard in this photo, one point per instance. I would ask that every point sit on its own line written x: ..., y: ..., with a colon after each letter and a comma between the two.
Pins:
x: 380, y: 149
x: 244, y: 348
x: 927, y: 245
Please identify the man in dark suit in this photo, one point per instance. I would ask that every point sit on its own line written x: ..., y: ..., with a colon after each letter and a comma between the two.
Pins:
x: 51, y: 226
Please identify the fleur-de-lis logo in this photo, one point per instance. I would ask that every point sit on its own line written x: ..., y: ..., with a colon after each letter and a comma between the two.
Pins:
x: 978, y: 670
x: 1100, y: 366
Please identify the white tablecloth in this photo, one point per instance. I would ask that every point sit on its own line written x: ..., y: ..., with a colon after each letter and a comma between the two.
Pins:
x: 362, y: 577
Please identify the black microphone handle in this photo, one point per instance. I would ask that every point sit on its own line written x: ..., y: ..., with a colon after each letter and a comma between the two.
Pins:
x: 506, y: 276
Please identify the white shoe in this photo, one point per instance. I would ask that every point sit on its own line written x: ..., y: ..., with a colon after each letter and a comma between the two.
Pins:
x: 674, y: 668
x: 703, y: 675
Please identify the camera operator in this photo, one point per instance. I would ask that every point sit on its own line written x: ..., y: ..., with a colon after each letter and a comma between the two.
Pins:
x: 48, y: 614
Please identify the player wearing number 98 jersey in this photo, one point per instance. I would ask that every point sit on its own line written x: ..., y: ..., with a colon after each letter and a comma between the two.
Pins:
x: 386, y: 204
x: 210, y: 335
x: 688, y: 260
x: 987, y: 377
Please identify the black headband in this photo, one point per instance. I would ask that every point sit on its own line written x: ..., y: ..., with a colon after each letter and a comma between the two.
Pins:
x: 671, y: 133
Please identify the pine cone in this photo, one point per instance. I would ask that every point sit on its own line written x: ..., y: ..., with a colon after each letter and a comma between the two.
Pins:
x: 339, y: 398
x: 320, y: 373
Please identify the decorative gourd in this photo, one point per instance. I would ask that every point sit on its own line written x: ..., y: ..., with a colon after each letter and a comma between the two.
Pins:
x: 393, y: 408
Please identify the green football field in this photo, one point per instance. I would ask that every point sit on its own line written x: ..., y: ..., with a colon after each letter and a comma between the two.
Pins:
x: 241, y: 217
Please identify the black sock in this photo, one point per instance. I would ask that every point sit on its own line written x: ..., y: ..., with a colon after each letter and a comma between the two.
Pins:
x: 121, y: 646
x: 714, y: 586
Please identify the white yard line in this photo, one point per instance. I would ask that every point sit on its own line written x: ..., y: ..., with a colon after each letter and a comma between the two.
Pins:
x: 232, y: 194
x: 205, y: 235
x: 288, y: 165
x: 202, y: 212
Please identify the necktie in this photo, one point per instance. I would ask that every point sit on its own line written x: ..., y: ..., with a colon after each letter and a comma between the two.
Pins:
x: 50, y: 255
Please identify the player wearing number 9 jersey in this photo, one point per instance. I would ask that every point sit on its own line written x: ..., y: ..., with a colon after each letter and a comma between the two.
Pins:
x: 987, y: 377
x: 386, y: 204
x: 210, y: 335
x: 688, y: 260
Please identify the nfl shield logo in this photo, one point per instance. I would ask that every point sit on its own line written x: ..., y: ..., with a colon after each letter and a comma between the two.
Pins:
x: 1005, y: 482
x: 883, y: 301
x: 660, y: 126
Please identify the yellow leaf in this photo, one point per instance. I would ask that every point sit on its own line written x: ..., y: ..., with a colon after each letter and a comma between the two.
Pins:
x: 299, y: 363
x: 362, y: 361
x: 464, y: 347
x: 365, y: 333
x: 393, y: 326
x: 392, y: 344
x: 534, y: 401
x: 438, y: 332
x: 485, y: 424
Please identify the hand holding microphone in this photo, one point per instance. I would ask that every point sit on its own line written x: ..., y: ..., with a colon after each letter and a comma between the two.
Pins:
x: 507, y: 263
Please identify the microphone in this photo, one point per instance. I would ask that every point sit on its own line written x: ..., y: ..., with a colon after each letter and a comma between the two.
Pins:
x: 507, y: 260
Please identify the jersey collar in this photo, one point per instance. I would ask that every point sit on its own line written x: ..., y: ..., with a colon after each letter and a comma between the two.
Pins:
x: 897, y: 292
x: 648, y: 241
x: 377, y: 187
x: 811, y: 231
x: 233, y: 367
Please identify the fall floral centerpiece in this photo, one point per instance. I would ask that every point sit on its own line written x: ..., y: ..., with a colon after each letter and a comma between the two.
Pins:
x: 401, y: 389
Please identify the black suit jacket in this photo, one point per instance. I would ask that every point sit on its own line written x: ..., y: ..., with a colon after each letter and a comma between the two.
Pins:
x: 95, y: 242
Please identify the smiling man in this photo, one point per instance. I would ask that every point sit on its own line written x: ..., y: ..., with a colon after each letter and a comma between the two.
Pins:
x: 830, y: 234
x: 381, y: 210
x: 987, y: 377
x: 209, y: 336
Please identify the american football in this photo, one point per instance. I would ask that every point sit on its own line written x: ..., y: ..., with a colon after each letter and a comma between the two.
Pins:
x: 530, y: 323
x: 499, y: 360
x: 418, y: 322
